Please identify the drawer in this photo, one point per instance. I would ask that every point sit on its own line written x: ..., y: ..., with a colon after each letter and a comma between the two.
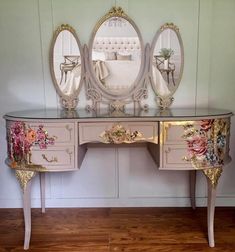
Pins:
x: 63, y: 133
x: 173, y: 131
x: 54, y: 158
x: 90, y: 132
x: 172, y: 157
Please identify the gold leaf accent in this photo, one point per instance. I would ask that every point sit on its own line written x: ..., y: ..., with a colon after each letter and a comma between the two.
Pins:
x: 218, y: 127
x: 64, y: 27
x: 213, y: 174
x: 26, y: 166
x: 114, y: 12
x: 53, y: 159
x: 24, y: 177
x: 170, y: 26
x: 119, y: 134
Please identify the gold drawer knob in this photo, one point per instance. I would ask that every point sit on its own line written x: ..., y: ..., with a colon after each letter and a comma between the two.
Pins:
x: 53, y: 159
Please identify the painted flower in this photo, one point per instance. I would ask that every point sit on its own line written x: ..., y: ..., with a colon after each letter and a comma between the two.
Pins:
x: 197, y: 145
x: 212, y: 158
x: 206, y: 124
x: 30, y: 136
x: 221, y: 141
x: 22, y: 138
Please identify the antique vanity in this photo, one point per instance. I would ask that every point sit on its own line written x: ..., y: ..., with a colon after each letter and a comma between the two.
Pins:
x: 116, y: 73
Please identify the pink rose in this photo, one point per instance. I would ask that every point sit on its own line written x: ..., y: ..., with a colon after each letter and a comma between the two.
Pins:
x: 197, y: 146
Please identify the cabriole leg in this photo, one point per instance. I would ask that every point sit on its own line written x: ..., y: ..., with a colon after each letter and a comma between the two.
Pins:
x: 25, y: 179
x: 213, y: 176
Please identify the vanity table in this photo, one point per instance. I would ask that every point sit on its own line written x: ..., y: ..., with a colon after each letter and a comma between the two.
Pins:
x: 117, y: 71
x: 41, y: 141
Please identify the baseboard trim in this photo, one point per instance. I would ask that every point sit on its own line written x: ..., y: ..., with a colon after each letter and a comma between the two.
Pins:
x: 133, y: 202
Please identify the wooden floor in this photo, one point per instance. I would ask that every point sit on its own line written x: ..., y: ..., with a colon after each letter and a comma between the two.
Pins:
x: 118, y: 229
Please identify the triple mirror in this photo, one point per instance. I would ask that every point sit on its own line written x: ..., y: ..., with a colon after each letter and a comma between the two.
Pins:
x: 116, y: 65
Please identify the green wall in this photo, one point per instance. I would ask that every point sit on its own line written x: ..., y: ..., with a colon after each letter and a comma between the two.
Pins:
x: 222, y: 72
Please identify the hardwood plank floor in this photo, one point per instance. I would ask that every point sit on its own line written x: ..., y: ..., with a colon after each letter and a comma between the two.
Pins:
x: 118, y: 229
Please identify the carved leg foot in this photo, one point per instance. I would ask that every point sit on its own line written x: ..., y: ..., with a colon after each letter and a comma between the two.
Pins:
x: 25, y: 178
x: 212, y: 175
x: 42, y: 190
x: 192, y: 180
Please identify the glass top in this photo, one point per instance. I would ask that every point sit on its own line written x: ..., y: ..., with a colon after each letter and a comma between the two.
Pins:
x: 84, y: 114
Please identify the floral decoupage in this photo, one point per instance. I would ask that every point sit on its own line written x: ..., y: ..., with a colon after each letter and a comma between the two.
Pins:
x: 21, y: 138
x: 206, y: 143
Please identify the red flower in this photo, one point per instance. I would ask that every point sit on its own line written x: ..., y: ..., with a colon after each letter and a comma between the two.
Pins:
x: 206, y: 124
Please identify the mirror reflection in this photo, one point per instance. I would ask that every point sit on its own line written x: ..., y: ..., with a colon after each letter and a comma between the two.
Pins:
x: 167, y: 62
x: 67, y: 62
x: 116, y: 55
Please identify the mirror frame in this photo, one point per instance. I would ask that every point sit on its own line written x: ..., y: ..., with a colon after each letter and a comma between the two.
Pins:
x: 95, y: 90
x: 68, y: 102
x: 164, y: 102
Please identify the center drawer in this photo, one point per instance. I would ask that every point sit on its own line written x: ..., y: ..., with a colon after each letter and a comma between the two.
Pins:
x: 90, y: 132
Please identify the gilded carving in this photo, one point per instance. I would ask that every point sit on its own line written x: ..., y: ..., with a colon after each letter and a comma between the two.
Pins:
x: 64, y: 27
x: 213, y: 175
x: 169, y: 26
x: 24, y: 177
x: 119, y: 134
x: 114, y: 12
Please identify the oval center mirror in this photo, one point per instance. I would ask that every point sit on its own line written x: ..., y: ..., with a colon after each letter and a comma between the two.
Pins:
x: 66, y: 62
x: 116, y: 54
x: 167, y: 60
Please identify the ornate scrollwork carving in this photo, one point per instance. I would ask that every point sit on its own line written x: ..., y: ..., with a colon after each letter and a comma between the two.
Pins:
x: 164, y: 102
x: 114, y: 12
x: 69, y: 103
x: 169, y: 26
x: 64, y: 27
x: 213, y: 175
x: 24, y: 177
x: 119, y: 134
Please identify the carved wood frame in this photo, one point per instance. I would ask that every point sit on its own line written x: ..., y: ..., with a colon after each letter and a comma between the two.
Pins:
x: 164, y: 102
x: 68, y: 102
x: 94, y: 89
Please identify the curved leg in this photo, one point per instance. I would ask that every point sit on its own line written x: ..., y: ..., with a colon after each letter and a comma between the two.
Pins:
x: 25, y: 178
x: 42, y: 190
x: 27, y: 214
x: 211, y: 212
x: 213, y: 176
x: 192, y: 181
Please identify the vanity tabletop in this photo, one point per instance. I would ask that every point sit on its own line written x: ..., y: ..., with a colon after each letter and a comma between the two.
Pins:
x: 152, y: 114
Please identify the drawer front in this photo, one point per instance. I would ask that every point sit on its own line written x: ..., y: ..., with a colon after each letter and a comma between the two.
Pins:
x: 173, y: 132
x: 55, y: 158
x: 63, y: 133
x: 90, y: 132
x: 149, y: 130
x: 172, y: 157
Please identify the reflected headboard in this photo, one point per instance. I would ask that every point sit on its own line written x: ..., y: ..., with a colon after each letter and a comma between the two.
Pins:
x: 116, y: 44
